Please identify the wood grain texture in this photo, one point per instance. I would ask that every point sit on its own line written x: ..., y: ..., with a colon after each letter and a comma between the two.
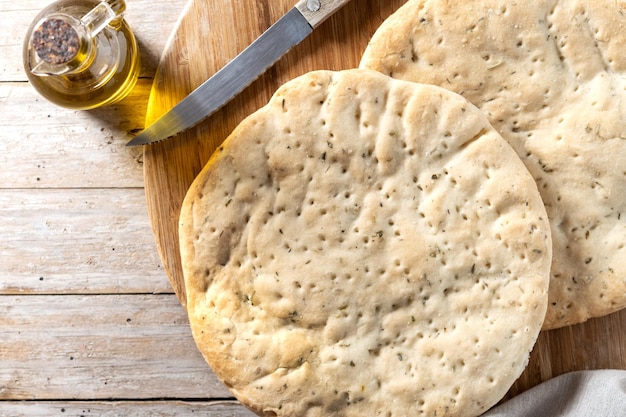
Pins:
x: 155, y: 408
x: 75, y: 347
x: 44, y: 146
x: 77, y: 241
x: 170, y: 167
x: 77, y: 258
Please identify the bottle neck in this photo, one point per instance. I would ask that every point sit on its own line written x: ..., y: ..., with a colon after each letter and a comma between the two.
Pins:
x: 118, y: 6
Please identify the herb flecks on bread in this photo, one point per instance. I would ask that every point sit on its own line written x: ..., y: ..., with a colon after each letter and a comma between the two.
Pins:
x: 365, y: 246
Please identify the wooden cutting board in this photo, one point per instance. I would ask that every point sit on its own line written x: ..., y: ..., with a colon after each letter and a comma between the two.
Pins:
x: 212, y: 32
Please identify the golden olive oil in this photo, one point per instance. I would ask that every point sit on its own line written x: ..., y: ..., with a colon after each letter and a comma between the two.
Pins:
x: 81, y: 54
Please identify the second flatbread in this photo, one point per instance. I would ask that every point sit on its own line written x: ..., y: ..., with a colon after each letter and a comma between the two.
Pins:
x: 551, y: 77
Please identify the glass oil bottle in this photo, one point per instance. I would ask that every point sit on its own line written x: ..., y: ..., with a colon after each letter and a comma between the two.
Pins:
x: 81, y: 54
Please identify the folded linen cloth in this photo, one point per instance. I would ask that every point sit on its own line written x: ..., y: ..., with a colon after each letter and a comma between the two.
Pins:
x: 600, y: 393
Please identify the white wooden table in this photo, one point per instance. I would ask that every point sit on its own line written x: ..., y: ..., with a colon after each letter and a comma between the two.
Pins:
x: 89, y: 324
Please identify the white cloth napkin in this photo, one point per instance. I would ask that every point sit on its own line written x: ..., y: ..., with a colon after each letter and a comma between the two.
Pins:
x: 599, y: 393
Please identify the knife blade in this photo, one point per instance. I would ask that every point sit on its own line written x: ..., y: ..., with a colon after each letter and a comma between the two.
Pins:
x: 234, y: 77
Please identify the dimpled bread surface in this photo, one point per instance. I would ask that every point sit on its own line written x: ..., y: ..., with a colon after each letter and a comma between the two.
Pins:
x: 364, y: 246
x: 551, y: 78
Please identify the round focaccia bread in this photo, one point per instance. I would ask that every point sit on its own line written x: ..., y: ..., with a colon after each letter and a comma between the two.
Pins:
x: 551, y: 78
x: 363, y: 246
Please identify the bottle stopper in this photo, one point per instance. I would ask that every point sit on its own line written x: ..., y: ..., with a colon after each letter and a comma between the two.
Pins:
x: 56, y: 41
x: 59, y: 38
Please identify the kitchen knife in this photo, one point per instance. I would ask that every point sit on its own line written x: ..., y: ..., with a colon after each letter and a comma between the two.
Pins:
x: 253, y: 61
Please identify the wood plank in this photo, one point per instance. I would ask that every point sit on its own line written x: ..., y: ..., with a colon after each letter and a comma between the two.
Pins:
x: 55, y: 147
x: 77, y: 241
x: 152, y: 31
x: 124, y: 408
x: 100, y: 347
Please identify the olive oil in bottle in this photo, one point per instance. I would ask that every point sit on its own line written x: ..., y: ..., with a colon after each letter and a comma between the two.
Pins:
x: 81, y: 54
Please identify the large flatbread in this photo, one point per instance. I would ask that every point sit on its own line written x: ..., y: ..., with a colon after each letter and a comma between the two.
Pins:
x: 364, y: 246
x: 551, y: 78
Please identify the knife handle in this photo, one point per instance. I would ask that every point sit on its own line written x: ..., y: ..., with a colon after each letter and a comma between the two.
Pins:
x: 317, y: 11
